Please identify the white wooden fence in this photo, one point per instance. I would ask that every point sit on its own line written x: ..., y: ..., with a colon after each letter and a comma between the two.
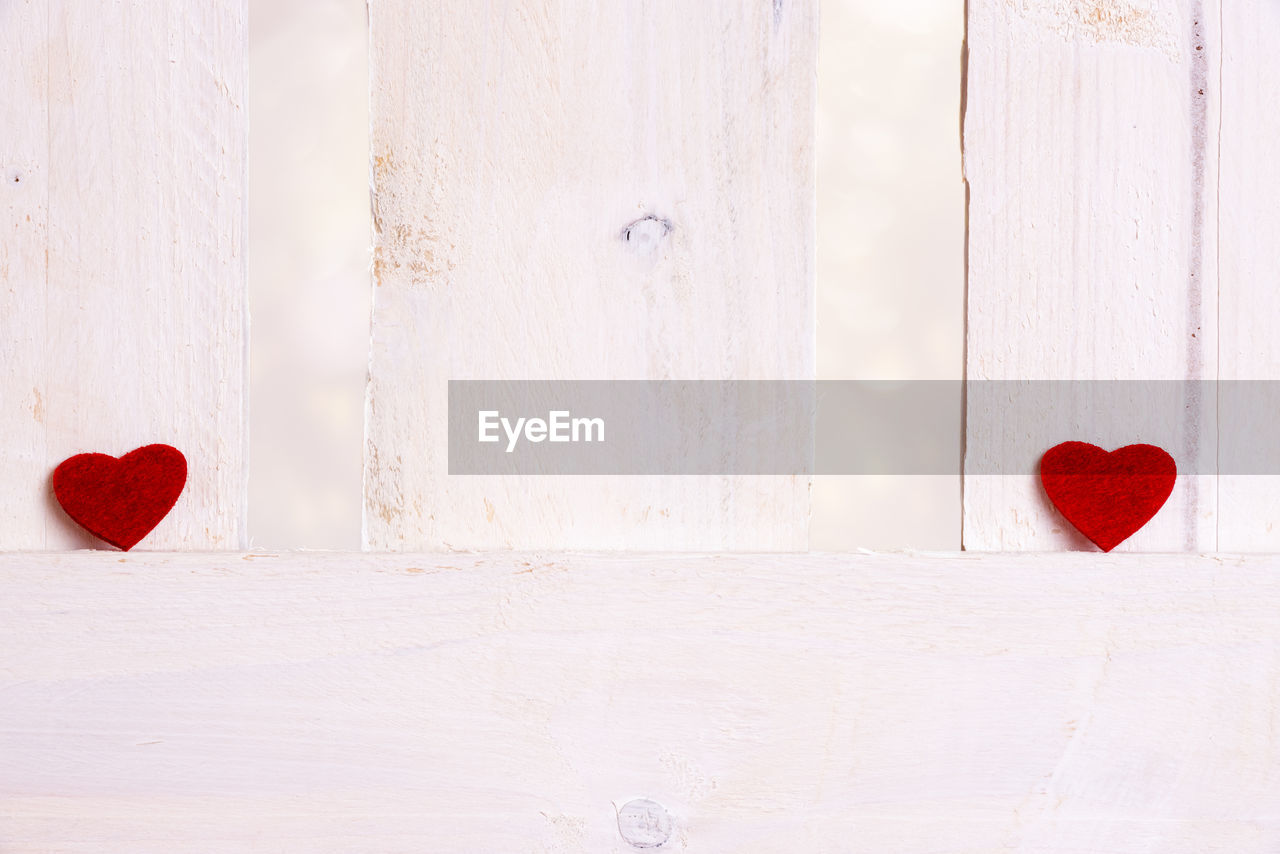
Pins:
x: 567, y: 190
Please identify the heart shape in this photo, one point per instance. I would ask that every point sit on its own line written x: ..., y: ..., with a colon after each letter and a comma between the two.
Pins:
x: 121, y: 500
x: 1107, y: 496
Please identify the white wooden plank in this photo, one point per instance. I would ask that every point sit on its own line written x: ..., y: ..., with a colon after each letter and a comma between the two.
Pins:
x: 123, y: 319
x: 24, y: 192
x: 1091, y: 153
x: 563, y: 191
x: 1250, y: 268
x: 907, y: 703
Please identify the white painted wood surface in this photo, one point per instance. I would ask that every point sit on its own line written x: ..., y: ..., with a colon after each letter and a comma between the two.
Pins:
x: 567, y: 192
x: 1091, y: 156
x: 121, y: 265
x: 385, y: 703
x: 1249, y: 229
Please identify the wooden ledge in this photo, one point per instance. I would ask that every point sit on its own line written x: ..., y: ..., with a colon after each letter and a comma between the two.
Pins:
x: 515, y: 702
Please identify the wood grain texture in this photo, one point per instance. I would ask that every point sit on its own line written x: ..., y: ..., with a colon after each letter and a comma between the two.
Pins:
x: 1250, y: 268
x: 565, y: 193
x: 907, y: 703
x: 24, y: 212
x: 1091, y: 153
x: 122, y: 267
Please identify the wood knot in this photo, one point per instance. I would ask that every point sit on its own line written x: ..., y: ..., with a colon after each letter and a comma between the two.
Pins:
x: 644, y: 235
x: 644, y: 823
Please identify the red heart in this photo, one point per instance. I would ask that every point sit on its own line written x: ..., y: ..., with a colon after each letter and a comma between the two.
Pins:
x: 121, y: 500
x: 1107, y: 496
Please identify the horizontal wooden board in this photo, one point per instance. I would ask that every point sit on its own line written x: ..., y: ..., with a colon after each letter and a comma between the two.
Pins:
x: 516, y: 702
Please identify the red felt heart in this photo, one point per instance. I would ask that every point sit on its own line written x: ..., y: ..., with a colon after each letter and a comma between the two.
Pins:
x: 121, y: 500
x: 1107, y: 496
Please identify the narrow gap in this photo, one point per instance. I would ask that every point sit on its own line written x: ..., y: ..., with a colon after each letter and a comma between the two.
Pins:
x: 1217, y: 279
x: 48, y: 191
x: 1199, y: 94
x: 964, y: 301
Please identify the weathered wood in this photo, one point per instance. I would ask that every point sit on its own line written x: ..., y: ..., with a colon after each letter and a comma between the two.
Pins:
x: 1249, y: 228
x: 1091, y: 154
x: 24, y: 206
x: 362, y: 703
x: 122, y: 267
x: 561, y: 193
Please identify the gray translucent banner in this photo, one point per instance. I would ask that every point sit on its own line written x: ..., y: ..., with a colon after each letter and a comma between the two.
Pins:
x: 850, y: 427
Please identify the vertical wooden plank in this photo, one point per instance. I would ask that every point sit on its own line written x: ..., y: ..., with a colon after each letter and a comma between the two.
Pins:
x: 1090, y: 152
x: 126, y: 309
x: 1250, y: 268
x: 565, y: 191
x: 24, y: 190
